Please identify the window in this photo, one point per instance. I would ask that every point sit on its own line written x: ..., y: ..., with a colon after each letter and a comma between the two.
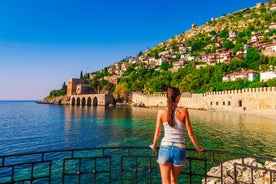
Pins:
x: 240, y: 103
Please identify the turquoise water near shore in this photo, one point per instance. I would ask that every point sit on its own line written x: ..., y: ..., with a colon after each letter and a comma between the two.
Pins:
x: 27, y: 126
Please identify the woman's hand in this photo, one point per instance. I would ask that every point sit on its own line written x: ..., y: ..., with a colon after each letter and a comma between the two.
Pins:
x: 199, y: 149
x: 152, y: 146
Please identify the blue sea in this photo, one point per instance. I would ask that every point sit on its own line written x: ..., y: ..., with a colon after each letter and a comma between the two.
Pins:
x: 27, y: 126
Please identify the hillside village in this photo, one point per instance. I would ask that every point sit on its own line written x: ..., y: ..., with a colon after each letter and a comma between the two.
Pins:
x: 180, y: 55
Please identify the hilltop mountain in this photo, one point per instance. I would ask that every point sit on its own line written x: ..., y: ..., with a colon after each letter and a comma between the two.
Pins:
x: 199, y: 59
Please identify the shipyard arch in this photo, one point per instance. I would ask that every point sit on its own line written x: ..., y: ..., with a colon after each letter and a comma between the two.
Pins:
x: 95, y: 101
x: 83, y: 101
x: 89, y: 101
x: 78, y: 101
x: 73, y: 101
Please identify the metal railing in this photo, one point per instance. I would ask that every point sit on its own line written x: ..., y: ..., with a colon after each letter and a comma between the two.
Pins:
x: 122, y: 165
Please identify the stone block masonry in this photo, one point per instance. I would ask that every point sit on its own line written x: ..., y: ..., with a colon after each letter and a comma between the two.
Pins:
x: 251, y: 99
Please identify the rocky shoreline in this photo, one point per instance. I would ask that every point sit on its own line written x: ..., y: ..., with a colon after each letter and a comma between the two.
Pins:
x: 60, y: 100
x: 247, y: 170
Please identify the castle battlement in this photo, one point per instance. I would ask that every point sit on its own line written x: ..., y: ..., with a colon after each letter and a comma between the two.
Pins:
x: 246, y: 90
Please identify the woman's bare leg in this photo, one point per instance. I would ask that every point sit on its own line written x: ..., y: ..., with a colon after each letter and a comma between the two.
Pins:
x: 165, y: 170
x: 175, y: 173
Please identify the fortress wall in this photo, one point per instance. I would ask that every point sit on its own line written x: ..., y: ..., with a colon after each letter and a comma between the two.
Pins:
x: 259, y: 99
x: 149, y: 100
x: 195, y: 101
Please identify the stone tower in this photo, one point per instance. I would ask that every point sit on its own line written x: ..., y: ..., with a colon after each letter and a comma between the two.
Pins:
x: 72, y: 85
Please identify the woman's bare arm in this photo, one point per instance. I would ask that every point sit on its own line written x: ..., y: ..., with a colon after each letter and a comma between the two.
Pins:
x: 191, y: 132
x: 157, y: 129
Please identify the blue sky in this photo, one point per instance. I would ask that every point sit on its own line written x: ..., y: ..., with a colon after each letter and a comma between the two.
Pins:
x: 45, y: 42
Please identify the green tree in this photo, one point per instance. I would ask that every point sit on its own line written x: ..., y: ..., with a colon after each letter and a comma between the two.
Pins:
x: 121, y: 93
x: 81, y: 75
x: 59, y: 92
x: 252, y: 59
x: 263, y: 8
x: 224, y: 34
x: 228, y: 45
x: 271, y: 82
x: 165, y: 66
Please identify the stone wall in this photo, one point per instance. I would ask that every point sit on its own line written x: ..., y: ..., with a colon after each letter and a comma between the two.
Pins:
x: 259, y: 99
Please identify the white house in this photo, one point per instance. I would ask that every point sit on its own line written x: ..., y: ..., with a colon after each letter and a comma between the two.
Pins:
x: 249, y: 74
x: 159, y: 61
x: 272, y: 27
x: 273, y: 8
x: 233, y: 34
x: 230, y: 77
x: 187, y: 57
x: 265, y: 76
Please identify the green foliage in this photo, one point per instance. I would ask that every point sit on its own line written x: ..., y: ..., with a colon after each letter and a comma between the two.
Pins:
x: 272, y: 61
x: 165, y: 66
x: 224, y: 34
x: 140, y: 53
x: 252, y: 58
x: 271, y: 32
x: 154, y: 52
x: 213, y: 33
x: 228, y: 45
x: 130, y: 69
x: 263, y: 9
x: 121, y: 93
x: 271, y: 82
x: 99, y: 85
x: 59, y: 92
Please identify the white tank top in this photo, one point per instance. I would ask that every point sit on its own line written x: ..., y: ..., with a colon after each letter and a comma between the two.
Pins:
x: 176, y: 133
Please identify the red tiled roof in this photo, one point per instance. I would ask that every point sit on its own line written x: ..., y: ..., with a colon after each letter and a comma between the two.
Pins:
x: 249, y: 71
x: 241, y: 73
x: 232, y: 74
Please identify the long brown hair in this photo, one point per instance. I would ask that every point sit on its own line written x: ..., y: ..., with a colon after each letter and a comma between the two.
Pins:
x: 172, y: 94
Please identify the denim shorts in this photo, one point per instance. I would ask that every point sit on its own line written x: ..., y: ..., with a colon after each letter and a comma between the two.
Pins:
x: 171, y: 155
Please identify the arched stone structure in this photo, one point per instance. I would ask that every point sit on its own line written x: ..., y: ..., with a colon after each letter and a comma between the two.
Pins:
x: 91, y: 99
x: 95, y: 101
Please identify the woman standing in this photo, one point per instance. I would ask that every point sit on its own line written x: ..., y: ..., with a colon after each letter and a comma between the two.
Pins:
x: 171, y: 156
